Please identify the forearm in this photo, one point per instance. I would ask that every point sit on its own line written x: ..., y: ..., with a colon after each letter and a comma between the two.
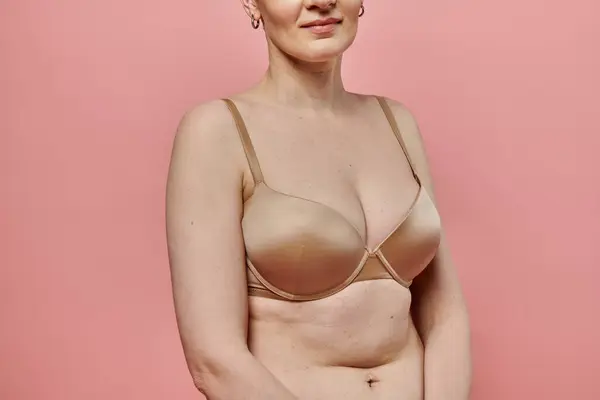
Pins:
x: 241, y: 377
x: 448, y: 359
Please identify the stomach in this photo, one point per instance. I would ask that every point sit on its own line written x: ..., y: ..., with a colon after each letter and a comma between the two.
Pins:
x: 358, y: 344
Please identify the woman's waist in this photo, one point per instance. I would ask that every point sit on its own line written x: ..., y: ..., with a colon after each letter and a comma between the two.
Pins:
x: 313, y: 376
x: 365, y: 326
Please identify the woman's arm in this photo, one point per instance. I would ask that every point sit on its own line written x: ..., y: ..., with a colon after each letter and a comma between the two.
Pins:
x: 439, y: 308
x: 207, y: 259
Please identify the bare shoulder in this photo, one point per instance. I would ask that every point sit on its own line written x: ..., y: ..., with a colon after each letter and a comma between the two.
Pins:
x: 407, y: 122
x: 207, y: 144
x: 411, y: 135
x: 207, y: 156
x: 208, y: 124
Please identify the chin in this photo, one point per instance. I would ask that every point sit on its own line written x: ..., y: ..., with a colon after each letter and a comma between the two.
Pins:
x: 323, y: 51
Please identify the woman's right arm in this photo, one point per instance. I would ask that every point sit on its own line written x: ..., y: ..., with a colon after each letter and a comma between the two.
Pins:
x: 207, y: 259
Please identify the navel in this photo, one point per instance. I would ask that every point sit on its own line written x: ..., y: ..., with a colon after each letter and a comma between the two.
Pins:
x: 371, y: 380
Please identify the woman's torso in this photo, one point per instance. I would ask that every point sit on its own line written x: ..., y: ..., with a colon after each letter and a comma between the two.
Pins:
x: 358, y: 344
x: 359, y: 341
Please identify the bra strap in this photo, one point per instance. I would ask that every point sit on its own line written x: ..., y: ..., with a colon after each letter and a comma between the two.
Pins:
x: 257, y: 174
x: 394, y: 125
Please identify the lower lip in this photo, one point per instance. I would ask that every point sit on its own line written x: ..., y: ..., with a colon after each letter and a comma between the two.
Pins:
x: 321, y: 29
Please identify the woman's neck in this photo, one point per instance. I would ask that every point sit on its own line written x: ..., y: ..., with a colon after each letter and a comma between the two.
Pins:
x: 315, y: 86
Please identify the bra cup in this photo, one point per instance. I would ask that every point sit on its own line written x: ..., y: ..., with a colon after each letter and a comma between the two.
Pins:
x: 298, y: 246
x: 298, y: 249
x: 413, y: 245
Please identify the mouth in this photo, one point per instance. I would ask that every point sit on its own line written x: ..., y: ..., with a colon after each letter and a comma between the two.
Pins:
x: 322, y: 22
x: 325, y: 25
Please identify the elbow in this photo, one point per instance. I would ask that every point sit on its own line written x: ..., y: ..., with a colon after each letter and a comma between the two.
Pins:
x: 434, y: 318
x: 456, y: 315
x: 211, y: 374
x: 203, y: 372
x: 460, y: 311
x: 456, y: 325
x: 202, y: 383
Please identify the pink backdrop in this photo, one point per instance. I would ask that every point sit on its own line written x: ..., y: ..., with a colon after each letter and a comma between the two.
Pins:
x: 90, y: 95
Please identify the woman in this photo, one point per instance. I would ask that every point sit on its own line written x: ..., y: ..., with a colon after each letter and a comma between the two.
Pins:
x: 306, y: 251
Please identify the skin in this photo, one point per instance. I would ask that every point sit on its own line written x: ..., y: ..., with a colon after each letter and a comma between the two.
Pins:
x: 374, y: 339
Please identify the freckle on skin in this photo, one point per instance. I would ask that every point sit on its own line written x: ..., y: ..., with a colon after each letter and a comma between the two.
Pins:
x: 191, y: 222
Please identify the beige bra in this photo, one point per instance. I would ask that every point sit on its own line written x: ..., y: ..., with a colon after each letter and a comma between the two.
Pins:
x: 298, y: 249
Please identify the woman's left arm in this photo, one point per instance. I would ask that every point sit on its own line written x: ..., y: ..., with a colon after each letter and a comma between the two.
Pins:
x: 439, y: 308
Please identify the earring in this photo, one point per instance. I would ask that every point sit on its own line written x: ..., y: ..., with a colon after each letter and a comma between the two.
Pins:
x: 255, y: 22
x: 362, y: 11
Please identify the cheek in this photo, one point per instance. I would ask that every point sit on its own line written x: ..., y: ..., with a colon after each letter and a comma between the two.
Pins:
x: 282, y: 13
x: 350, y: 8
